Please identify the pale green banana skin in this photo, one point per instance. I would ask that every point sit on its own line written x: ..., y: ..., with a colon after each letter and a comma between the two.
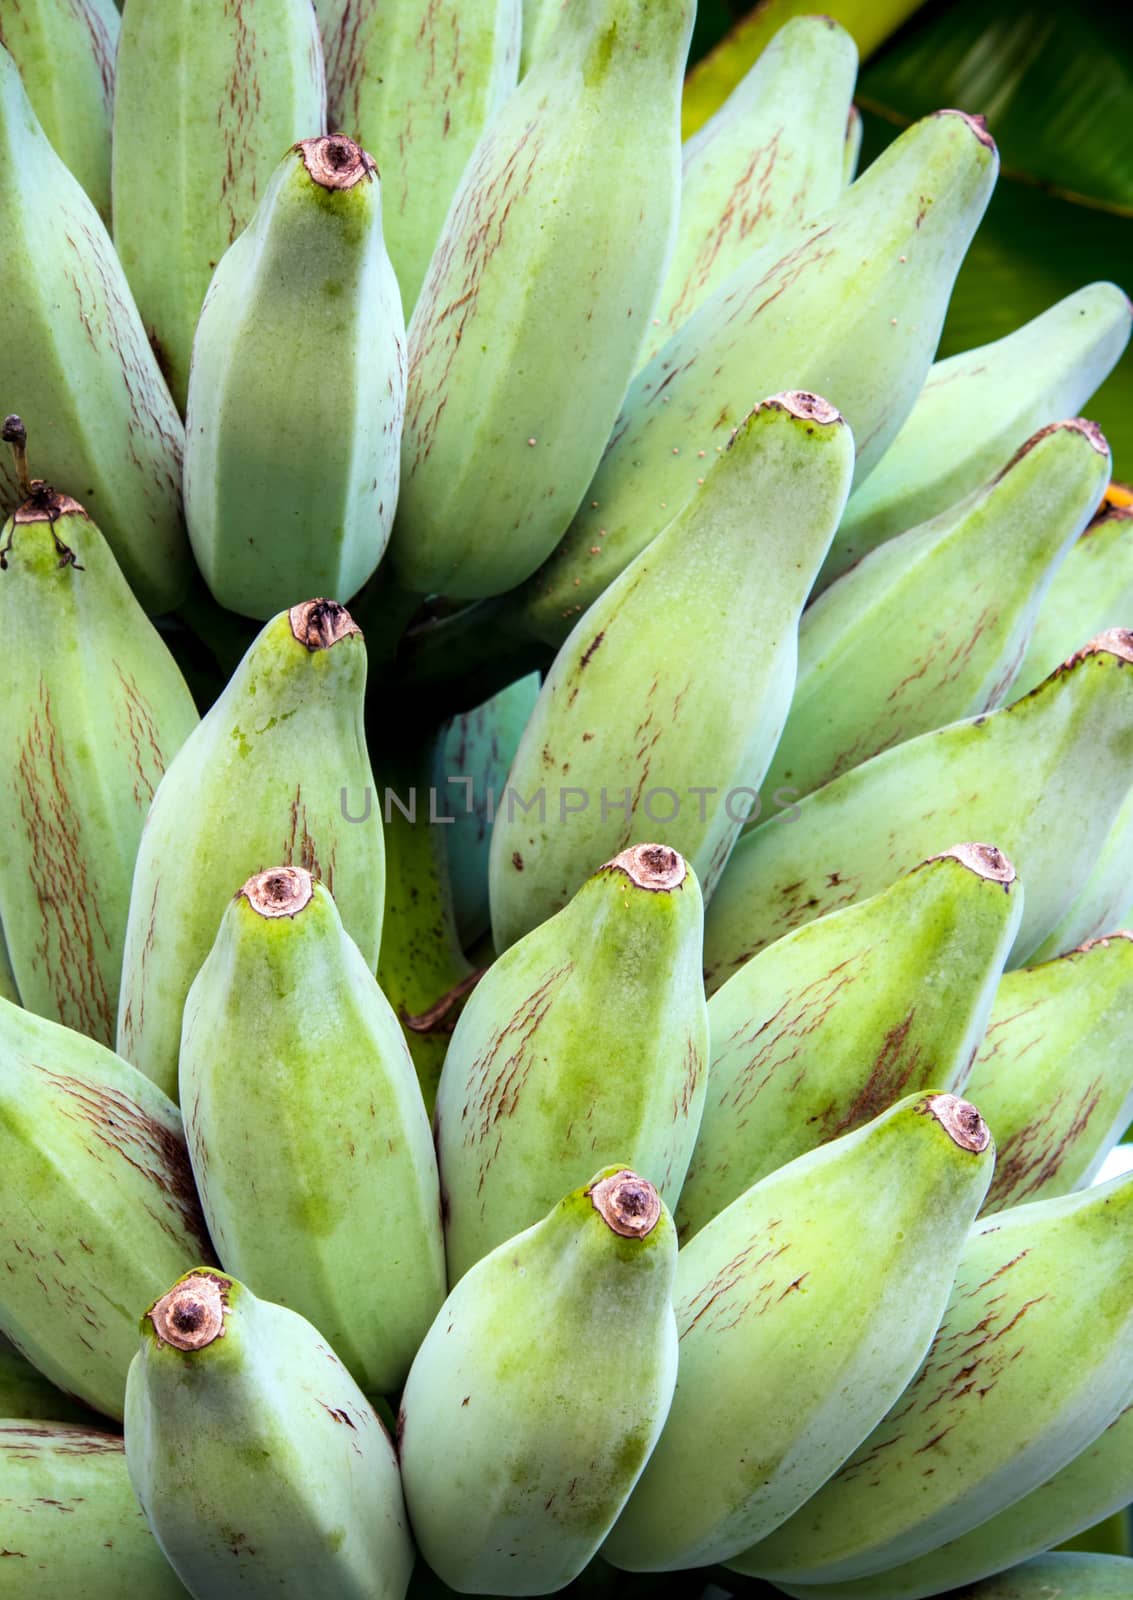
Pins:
x: 307, y: 1133
x: 502, y: 435
x: 1053, y: 1076
x: 760, y: 168
x: 536, y: 1398
x: 861, y: 1237
x: 297, y: 392
x: 93, y: 712
x: 1097, y: 1483
x: 97, y: 1200
x: 1092, y: 590
x: 8, y: 989
x: 1059, y: 1577
x: 260, y: 1465
x: 644, y: 695
x: 1065, y: 751
x: 267, y: 777
x: 586, y: 1042
x: 976, y: 409
x: 880, y: 660
x: 65, y: 52
x: 69, y: 1521
x: 206, y: 102
x: 540, y: 18
x: 1103, y: 900
x: 417, y: 86
x: 1031, y: 1361
x: 850, y: 310
x: 27, y: 1395
x: 831, y: 1025
x: 76, y: 364
x: 480, y: 746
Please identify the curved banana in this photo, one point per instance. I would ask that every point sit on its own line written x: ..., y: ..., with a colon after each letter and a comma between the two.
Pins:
x: 65, y: 51
x: 880, y: 660
x: 76, y: 365
x: 586, y: 1041
x: 844, y: 1258
x: 26, y: 1394
x: 1103, y: 900
x: 305, y: 1124
x: 1062, y: 752
x: 94, y: 710
x: 202, y: 115
x: 1092, y: 590
x: 297, y: 391
x: 830, y: 1025
x: 271, y: 774
x: 260, y: 1465
x: 513, y: 391
x: 98, y: 1203
x: 642, y: 724
x: 978, y: 407
x: 540, y: 1390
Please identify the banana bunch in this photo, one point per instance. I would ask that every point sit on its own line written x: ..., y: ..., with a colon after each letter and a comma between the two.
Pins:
x: 566, y: 866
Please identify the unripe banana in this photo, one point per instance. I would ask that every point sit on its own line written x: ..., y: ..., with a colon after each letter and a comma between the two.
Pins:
x: 1044, y: 778
x: 1096, y: 1483
x: 266, y: 777
x: 417, y: 86
x: 65, y: 52
x: 1103, y: 900
x: 846, y: 1254
x: 1053, y: 1076
x: 587, y: 1039
x: 76, y: 365
x: 978, y: 407
x: 1033, y: 1359
x: 479, y: 747
x: 880, y: 660
x: 513, y: 390
x: 643, y: 699
x: 540, y: 1390
x: 94, y: 710
x: 297, y: 391
x: 98, y: 1204
x: 204, y: 108
x: 260, y: 1465
x: 1092, y: 590
x: 540, y: 18
x: 305, y: 1125
x: 69, y: 1521
x: 830, y: 1025
x: 769, y: 158
x: 8, y: 989
x: 851, y: 310
x: 1059, y: 1576
x: 26, y: 1394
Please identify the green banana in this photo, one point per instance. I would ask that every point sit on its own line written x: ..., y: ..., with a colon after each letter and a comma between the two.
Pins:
x: 880, y: 660
x: 1053, y: 1076
x: 862, y: 1238
x: 1033, y: 1358
x: 766, y: 161
x: 417, y: 86
x: 528, y: 1101
x: 479, y: 747
x: 851, y: 310
x: 1043, y: 777
x: 259, y: 1463
x: 93, y: 712
x: 76, y: 365
x: 540, y: 1390
x: 273, y: 773
x: 1059, y: 1577
x: 830, y: 1025
x: 501, y: 433
x: 69, y: 1521
x: 98, y: 1204
x: 301, y: 338
x: 1103, y: 900
x: 8, y: 989
x: 978, y: 407
x: 27, y: 1394
x: 540, y: 18
x: 1092, y: 590
x: 642, y: 700
x: 1096, y: 1483
x: 296, y: 1158
x: 65, y: 52
x: 220, y: 96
